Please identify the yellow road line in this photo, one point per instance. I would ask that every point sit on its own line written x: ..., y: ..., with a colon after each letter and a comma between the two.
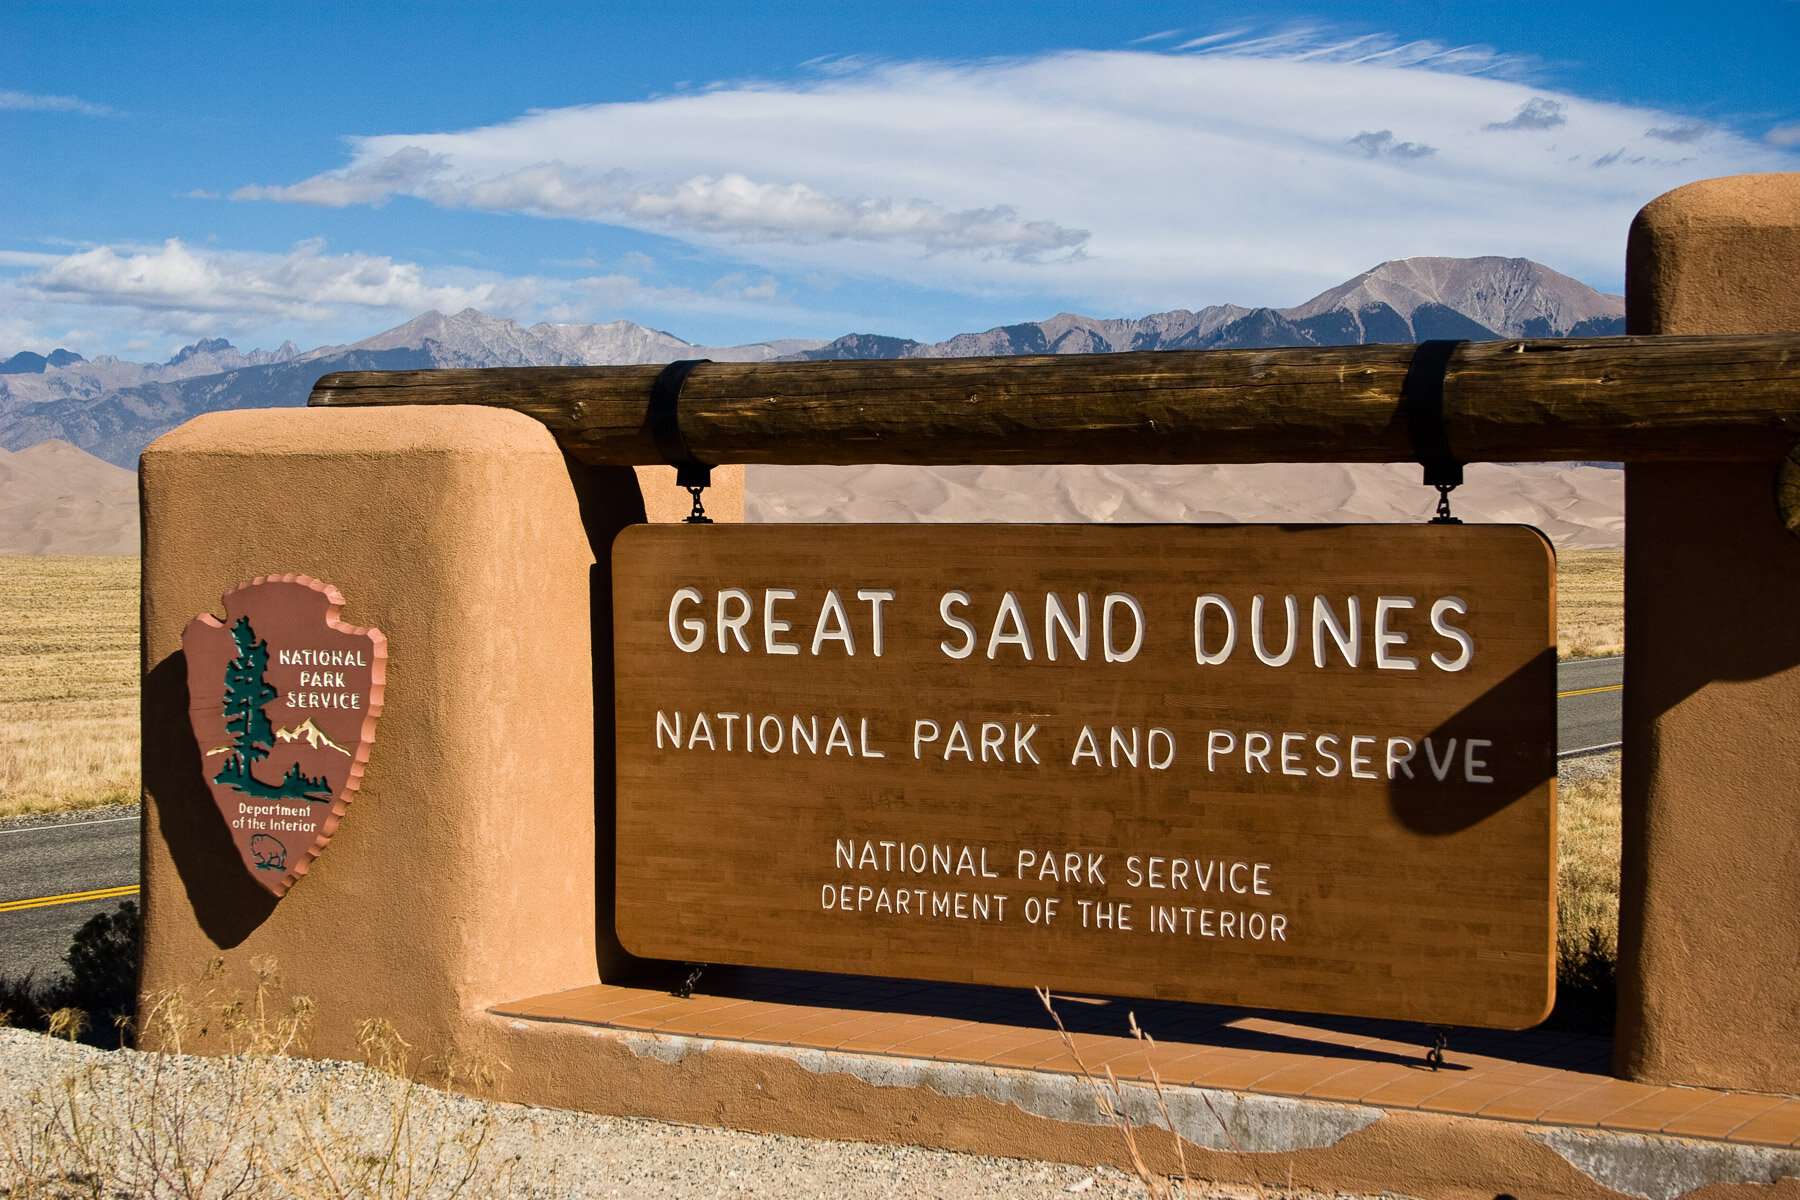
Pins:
x: 1611, y: 687
x: 69, y: 898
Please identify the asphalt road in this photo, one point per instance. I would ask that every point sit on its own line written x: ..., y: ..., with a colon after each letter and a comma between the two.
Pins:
x: 1587, y: 704
x: 79, y: 857
x: 57, y: 860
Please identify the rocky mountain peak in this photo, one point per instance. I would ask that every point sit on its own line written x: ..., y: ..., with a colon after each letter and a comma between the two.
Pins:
x: 1512, y: 297
x: 27, y: 362
x: 203, y: 346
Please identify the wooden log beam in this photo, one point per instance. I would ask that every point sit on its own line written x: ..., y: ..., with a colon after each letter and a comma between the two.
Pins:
x: 1634, y: 399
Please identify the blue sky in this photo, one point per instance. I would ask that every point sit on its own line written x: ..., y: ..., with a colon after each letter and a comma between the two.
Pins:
x: 730, y: 173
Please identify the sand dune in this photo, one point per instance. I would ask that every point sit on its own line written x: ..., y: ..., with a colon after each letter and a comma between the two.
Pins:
x: 1577, y: 507
x: 57, y: 499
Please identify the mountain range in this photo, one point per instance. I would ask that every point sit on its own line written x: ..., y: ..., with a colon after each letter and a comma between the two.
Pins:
x: 1409, y: 300
x: 112, y: 408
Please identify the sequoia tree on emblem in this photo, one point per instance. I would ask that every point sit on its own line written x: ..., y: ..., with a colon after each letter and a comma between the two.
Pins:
x: 283, y: 698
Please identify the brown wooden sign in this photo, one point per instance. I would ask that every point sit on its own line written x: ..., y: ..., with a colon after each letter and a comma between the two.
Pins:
x: 283, y: 698
x: 1309, y: 768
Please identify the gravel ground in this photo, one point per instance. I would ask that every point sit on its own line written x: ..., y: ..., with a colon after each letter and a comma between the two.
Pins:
x: 107, y: 813
x: 1571, y: 771
x: 279, y: 1127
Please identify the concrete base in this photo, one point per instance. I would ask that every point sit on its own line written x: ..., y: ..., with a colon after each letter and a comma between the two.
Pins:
x: 1051, y: 1113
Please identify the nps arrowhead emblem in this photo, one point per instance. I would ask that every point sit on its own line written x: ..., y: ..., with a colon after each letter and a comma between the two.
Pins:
x: 283, y: 698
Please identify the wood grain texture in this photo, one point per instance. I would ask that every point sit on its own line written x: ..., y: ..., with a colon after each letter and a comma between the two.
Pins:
x: 1630, y: 399
x: 1417, y: 892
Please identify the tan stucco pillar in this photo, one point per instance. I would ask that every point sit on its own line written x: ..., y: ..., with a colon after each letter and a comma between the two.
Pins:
x: 464, y: 872
x: 1709, y: 985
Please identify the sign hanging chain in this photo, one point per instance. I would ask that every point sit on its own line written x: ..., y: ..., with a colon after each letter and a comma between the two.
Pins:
x: 1443, y: 504
x: 665, y: 429
x: 1422, y: 396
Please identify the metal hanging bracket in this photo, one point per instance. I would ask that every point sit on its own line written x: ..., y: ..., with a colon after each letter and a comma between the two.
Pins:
x: 1423, y: 396
x: 1434, y: 1057
x: 685, y: 989
x: 665, y: 430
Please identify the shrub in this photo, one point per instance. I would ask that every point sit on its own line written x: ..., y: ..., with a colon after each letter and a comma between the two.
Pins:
x: 101, y: 984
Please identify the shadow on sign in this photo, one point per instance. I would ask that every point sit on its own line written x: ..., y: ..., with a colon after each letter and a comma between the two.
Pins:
x: 1453, y: 752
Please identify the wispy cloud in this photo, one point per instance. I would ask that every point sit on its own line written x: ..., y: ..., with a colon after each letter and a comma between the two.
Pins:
x: 1684, y: 134
x: 68, y: 104
x: 1309, y: 44
x: 1785, y: 136
x: 1250, y: 169
x: 733, y: 205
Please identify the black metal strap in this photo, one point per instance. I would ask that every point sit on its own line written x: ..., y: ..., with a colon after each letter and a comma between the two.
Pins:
x: 665, y: 425
x: 1423, y: 396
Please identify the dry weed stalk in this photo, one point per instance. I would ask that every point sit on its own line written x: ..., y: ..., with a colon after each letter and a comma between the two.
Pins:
x: 424, y: 1149
x: 1112, y: 1104
x: 244, y: 1122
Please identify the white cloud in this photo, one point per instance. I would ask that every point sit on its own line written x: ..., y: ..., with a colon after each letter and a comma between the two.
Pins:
x: 732, y: 205
x: 1785, y: 136
x: 27, y: 258
x: 71, y: 104
x: 179, y: 289
x: 1253, y: 170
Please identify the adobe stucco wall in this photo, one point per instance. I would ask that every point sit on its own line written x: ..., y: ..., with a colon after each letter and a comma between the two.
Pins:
x: 1710, y: 913
x: 464, y: 870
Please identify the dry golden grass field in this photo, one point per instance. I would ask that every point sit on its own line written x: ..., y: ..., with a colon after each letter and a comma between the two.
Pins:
x: 68, y: 683
x: 1587, y: 895
x: 1590, y: 603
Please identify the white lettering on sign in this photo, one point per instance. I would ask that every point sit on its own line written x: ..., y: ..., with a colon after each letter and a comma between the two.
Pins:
x: 734, y: 609
x: 1326, y: 755
x: 1452, y: 604
x: 1292, y: 607
x: 1039, y: 867
x: 1336, y: 632
x: 769, y: 734
x: 1333, y: 637
x: 1122, y: 744
x: 1118, y: 610
x: 320, y: 658
x: 1200, y: 875
x: 913, y: 902
x: 1057, y: 617
x: 324, y: 699
x: 1219, y: 923
x: 912, y: 858
x: 993, y: 740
